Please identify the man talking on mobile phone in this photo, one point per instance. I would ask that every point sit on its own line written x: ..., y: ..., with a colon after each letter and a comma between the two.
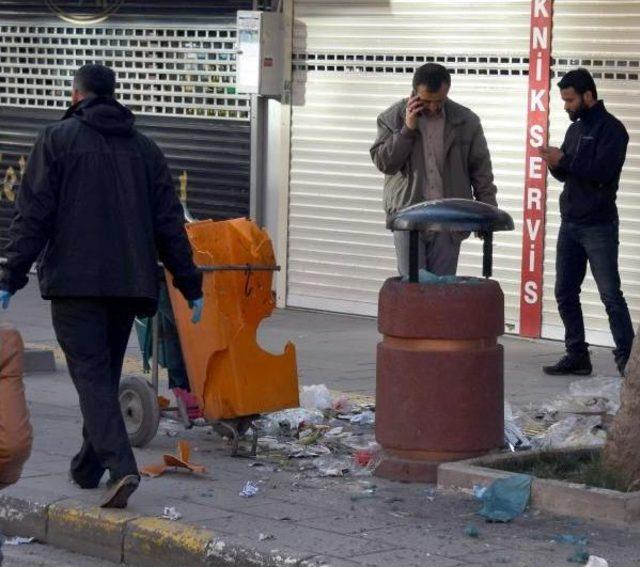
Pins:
x: 429, y: 148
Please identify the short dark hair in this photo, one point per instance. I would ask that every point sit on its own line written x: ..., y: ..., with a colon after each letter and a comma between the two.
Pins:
x: 95, y: 79
x: 580, y: 80
x: 432, y: 76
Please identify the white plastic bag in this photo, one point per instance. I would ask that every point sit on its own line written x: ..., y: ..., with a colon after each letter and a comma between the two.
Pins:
x: 315, y: 397
x: 595, y: 561
x: 574, y: 431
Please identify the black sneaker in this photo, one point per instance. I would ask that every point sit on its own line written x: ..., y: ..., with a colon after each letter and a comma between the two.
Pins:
x: 621, y: 364
x: 580, y: 365
x: 118, y: 495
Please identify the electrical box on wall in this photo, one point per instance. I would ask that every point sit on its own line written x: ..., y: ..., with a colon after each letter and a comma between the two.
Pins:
x: 259, y: 62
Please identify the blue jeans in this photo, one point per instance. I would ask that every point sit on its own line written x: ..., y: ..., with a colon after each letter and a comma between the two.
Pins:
x: 597, y: 244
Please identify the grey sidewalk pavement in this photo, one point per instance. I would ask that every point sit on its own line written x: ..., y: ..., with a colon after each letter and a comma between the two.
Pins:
x: 294, y: 519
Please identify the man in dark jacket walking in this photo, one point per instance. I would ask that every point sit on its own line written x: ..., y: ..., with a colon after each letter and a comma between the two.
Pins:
x: 589, y: 163
x: 97, y: 208
x: 429, y: 148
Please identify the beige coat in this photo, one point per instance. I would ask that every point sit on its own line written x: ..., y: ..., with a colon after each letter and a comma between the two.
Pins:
x: 398, y: 153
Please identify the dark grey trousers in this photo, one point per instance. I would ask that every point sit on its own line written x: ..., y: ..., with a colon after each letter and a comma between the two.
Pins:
x: 439, y: 252
x: 93, y: 334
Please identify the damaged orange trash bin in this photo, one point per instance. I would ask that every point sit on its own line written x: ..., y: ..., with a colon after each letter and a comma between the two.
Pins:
x: 228, y: 371
x: 15, y: 429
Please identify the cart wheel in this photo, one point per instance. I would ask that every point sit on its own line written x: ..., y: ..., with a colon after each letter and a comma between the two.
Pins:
x: 140, y: 410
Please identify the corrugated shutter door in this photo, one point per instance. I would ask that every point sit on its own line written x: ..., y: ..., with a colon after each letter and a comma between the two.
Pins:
x: 214, y: 155
x: 604, y: 37
x: 177, y: 77
x: 351, y: 61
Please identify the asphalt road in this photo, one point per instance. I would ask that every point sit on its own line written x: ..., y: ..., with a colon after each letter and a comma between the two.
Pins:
x: 37, y: 555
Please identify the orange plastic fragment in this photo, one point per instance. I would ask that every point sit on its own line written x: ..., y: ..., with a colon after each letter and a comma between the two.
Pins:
x: 179, y: 460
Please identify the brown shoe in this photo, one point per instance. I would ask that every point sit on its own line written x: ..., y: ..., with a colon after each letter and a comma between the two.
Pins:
x: 118, y: 495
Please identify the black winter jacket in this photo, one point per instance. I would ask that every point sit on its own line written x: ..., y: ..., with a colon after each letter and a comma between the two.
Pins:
x: 97, y: 207
x: 594, y: 149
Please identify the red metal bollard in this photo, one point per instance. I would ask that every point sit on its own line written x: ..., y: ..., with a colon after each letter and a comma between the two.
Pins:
x: 440, y: 375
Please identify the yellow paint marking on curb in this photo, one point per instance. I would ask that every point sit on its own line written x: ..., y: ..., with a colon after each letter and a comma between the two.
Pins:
x: 161, y: 532
x: 77, y: 515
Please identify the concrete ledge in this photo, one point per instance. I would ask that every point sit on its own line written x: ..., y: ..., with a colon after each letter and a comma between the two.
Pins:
x: 36, y: 360
x: 555, y: 496
x: 88, y: 530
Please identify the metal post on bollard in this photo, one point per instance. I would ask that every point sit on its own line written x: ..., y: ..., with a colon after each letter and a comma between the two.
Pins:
x: 440, y: 367
x: 487, y: 254
x: 414, y: 256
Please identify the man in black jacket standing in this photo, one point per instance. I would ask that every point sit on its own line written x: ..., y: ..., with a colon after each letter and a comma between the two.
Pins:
x: 97, y: 208
x: 589, y: 163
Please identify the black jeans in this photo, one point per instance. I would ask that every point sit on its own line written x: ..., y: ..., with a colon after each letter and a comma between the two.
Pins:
x: 597, y: 244
x: 93, y: 334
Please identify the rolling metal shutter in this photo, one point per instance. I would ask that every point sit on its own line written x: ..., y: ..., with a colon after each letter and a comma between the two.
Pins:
x: 604, y: 37
x: 351, y: 60
x: 179, y: 79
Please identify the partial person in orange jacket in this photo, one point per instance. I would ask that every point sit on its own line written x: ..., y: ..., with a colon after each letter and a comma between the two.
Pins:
x: 15, y: 429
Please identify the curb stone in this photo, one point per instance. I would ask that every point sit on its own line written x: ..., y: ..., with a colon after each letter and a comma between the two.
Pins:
x: 120, y: 536
x: 88, y: 530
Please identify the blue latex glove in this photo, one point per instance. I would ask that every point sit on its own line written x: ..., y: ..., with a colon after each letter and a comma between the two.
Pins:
x: 5, y: 298
x: 196, y: 306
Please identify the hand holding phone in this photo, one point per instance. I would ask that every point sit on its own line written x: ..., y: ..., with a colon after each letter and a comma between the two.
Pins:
x: 414, y: 108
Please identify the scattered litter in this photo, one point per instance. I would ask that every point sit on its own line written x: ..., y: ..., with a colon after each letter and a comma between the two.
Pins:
x: 472, y: 531
x: 573, y: 431
x: 514, y: 437
x: 366, y: 493
x: 362, y: 458
x: 315, y: 397
x: 580, y: 555
x: 607, y: 389
x: 572, y: 539
x: 332, y: 466
x: 180, y: 460
x: 595, y: 561
x: 170, y: 513
x: 397, y: 514
x: 479, y: 491
x: 250, y: 489
x: 335, y: 432
x: 19, y: 540
x: 289, y: 420
x: 430, y: 494
x: 343, y: 404
x: 393, y: 499
x: 266, y: 537
x: 506, y: 498
x: 365, y: 418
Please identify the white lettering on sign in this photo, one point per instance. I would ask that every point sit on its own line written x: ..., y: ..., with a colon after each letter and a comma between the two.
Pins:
x: 531, y: 293
x: 535, y: 167
x: 534, y: 199
x: 537, y: 103
x: 536, y: 135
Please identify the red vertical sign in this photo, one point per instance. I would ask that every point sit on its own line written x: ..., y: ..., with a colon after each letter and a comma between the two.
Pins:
x: 535, y: 189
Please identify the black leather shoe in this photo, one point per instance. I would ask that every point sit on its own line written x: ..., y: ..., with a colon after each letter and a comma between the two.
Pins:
x: 118, y: 495
x: 621, y: 364
x: 579, y: 365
